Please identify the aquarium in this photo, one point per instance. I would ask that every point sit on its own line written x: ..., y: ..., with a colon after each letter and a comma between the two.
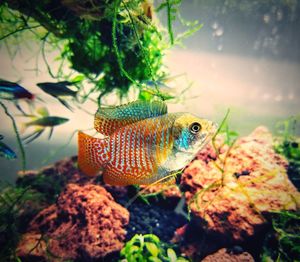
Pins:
x: 140, y: 130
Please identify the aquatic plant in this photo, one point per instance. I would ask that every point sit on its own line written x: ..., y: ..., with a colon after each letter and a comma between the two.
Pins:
x: 229, y: 139
x: 48, y: 186
x: 287, y: 144
x: 112, y: 44
x: 17, y: 205
x: 106, y: 46
x: 19, y: 141
x: 20, y: 203
x: 148, y: 248
x: 282, y: 243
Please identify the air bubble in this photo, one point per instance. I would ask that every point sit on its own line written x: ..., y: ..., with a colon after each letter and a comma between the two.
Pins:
x: 214, y: 25
x: 267, y: 18
x: 219, y: 32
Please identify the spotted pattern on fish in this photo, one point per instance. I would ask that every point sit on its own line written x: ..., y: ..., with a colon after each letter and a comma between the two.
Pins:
x: 93, y: 151
x: 110, y: 119
x: 144, y: 151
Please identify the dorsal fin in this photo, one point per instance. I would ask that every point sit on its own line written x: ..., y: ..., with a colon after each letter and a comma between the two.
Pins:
x: 42, y: 111
x: 110, y: 119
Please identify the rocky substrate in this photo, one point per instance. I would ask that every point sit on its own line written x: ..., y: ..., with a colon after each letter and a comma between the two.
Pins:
x: 227, y: 255
x: 56, y: 183
x: 85, y: 223
x: 229, y: 193
x: 156, y: 219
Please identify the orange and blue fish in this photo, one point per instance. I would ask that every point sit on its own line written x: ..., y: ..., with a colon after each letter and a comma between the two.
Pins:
x: 143, y: 143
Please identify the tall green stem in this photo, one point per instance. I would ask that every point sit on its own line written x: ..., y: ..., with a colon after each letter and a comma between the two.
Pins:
x: 114, y: 42
x: 20, y: 144
x: 170, y: 22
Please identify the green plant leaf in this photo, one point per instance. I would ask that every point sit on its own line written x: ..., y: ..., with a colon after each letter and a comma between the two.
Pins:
x: 133, y: 249
x: 171, y: 255
x: 152, y: 248
x: 181, y: 259
x: 154, y: 238
x: 78, y: 78
x: 154, y: 259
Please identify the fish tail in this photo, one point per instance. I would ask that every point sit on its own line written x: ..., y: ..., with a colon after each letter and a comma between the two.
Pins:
x: 23, y: 127
x: 92, y: 154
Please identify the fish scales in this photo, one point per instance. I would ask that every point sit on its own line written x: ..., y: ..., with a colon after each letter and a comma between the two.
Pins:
x: 144, y: 143
x: 109, y: 119
x: 137, y: 148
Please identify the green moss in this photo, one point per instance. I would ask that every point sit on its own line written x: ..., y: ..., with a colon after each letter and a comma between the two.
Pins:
x: 88, y: 43
x: 17, y: 206
x: 287, y: 144
x: 283, y: 241
x: 48, y: 186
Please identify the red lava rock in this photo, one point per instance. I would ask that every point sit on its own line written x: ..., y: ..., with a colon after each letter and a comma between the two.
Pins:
x: 65, y: 171
x: 223, y: 255
x: 255, y: 182
x: 168, y: 191
x: 84, y: 223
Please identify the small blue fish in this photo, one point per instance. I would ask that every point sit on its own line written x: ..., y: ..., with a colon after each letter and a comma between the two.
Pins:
x: 5, y: 151
x: 13, y: 91
x: 40, y: 123
x: 60, y: 91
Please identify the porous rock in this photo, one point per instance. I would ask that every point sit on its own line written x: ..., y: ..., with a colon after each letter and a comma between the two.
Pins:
x: 232, y: 203
x: 85, y: 222
x: 62, y: 172
x: 224, y: 255
x: 166, y: 190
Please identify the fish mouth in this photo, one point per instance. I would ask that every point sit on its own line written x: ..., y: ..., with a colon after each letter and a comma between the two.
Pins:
x: 215, y: 128
x: 205, y: 142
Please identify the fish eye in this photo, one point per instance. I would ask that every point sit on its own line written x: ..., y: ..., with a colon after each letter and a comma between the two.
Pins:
x: 195, y: 128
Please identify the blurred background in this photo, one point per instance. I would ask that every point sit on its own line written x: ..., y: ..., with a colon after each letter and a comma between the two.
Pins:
x: 246, y: 58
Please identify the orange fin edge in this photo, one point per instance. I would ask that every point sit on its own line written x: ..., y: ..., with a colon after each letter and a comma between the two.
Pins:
x: 88, y: 155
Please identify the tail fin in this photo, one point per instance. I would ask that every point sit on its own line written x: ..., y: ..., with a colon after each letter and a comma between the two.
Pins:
x: 92, y: 153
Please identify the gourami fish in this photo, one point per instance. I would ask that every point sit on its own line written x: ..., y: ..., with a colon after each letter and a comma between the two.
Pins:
x: 143, y: 143
x: 41, y: 122
x: 5, y: 151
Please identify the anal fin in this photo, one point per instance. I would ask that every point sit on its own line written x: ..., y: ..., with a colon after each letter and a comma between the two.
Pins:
x: 92, y: 154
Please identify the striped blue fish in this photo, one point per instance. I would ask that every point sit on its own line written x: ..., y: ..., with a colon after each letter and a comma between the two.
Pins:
x: 5, y: 151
